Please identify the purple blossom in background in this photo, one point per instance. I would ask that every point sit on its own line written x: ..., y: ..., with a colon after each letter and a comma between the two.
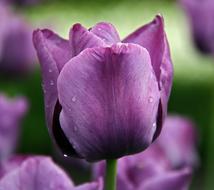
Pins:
x: 178, y: 141
x: 148, y: 171
x: 11, y: 113
x: 105, y: 98
x: 200, y: 16
x: 39, y: 173
x: 17, y: 54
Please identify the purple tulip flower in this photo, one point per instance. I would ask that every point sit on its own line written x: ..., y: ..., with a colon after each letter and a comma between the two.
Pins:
x: 39, y: 173
x: 201, y: 15
x: 11, y: 114
x: 178, y: 141
x: 104, y: 98
x: 149, y: 170
x: 17, y: 54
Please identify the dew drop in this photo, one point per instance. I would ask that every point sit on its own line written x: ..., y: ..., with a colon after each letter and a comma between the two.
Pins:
x: 99, y: 29
x: 65, y: 155
x: 75, y: 129
x: 154, y: 125
x: 50, y: 71
x: 51, y: 83
x: 150, y: 99
x: 74, y: 99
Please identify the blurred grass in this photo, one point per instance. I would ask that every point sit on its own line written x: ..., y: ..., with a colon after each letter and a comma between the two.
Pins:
x: 194, y: 73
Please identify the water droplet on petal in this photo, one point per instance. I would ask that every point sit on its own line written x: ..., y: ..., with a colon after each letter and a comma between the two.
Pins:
x: 99, y: 29
x: 75, y: 129
x: 154, y: 125
x: 150, y: 99
x: 51, y: 83
x: 74, y: 99
x: 50, y: 70
x: 65, y: 155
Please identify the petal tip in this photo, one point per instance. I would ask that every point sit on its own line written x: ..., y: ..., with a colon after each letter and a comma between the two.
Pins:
x: 76, y: 27
x: 159, y: 20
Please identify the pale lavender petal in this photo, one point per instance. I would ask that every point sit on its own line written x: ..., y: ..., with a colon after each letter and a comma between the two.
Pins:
x: 107, y: 32
x: 97, y: 185
x: 12, y: 112
x: 81, y: 38
x: 11, y: 164
x: 36, y: 173
x: 176, y: 180
x: 109, y: 95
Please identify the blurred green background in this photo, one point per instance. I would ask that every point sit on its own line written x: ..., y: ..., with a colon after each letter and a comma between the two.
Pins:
x: 193, y: 88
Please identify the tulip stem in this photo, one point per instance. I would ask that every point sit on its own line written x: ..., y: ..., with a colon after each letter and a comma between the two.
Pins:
x: 111, y: 173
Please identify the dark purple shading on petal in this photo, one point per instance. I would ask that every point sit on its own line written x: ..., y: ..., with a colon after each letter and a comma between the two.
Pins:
x: 109, y: 99
x: 81, y: 38
x: 36, y: 173
x: 53, y: 53
x: 174, y: 180
x: 153, y: 38
x: 106, y: 32
x: 11, y: 113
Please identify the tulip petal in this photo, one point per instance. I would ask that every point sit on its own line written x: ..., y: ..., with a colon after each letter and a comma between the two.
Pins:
x: 53, y: 53
x: 107, y: 32
x: 81, y: 38
x: 36, y: 173
x: 109, y: 95
x: 97, y: 185
x: 153, y: 38
x: 176, y: 180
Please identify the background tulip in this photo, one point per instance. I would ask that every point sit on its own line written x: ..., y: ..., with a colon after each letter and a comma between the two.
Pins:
x: 105, y: 99
x: 11, y: 114
x: 178, y: 141
x: 200, y: 16
x: 16, y: 49
x: 39, y: 173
